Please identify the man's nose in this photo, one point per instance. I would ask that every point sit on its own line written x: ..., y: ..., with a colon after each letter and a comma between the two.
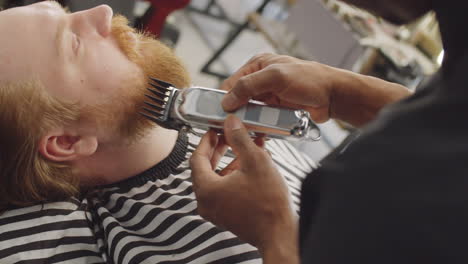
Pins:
x: 99, y: 17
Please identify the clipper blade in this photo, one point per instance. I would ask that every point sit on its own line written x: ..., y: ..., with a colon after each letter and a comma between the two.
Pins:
x: 162, y: 83
x: 157, y: 108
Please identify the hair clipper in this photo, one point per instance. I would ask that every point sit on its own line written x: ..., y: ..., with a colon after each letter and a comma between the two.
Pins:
x: 199, y: 107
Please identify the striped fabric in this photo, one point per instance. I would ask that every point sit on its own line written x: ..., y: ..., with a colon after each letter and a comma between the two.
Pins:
x: 141, y: 220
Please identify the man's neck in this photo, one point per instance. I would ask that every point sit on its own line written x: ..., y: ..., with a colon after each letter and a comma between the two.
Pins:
x: 114, y: 162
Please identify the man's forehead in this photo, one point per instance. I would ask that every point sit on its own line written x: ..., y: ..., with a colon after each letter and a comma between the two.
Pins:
x: 40, y: 7
x: 11, y: 30
x: 23, y: 31
x: 28, y: 18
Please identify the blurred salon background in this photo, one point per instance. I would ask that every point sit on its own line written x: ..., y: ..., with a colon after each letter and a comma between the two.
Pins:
x: 216, y: 37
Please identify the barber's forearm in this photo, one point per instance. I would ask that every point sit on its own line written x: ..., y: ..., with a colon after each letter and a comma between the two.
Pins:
x: 275, y: 257
x: 357, y: 99
x: 282, y: 247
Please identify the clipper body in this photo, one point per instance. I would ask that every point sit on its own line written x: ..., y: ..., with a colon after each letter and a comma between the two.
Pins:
x: 199, y: 107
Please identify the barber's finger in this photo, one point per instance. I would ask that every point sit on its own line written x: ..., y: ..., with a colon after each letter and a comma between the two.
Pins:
x: 230, y: 82
x: 200, y: 162
x: 219, y: 152
x: 239, y: 139
x: 267, y: 80
x: 234, y: 165
x: 256, y: 63
x: 260, y: 141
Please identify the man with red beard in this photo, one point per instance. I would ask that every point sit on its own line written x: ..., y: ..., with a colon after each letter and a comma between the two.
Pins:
x: 83, y: 177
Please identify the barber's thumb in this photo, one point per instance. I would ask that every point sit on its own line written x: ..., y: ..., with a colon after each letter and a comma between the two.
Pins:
x: 237, y: 136
x: 231, y: 101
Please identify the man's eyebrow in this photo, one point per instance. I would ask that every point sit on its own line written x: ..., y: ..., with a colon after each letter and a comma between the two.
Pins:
x: 57, y: 5
x: 60, y: 28
x: 59, y: 38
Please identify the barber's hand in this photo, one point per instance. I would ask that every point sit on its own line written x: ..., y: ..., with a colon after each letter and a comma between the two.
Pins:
x: 249, y: 197
x: 283, y: 81
x: 324, y: 91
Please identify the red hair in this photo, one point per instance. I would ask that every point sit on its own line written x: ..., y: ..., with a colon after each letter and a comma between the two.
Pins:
x: 26, y: 113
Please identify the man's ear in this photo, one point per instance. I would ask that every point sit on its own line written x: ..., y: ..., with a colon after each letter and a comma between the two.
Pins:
x: 59, y: 146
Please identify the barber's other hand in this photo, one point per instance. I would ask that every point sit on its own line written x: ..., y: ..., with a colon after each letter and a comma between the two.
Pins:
x: 249, y: 197
x: 283, y: 81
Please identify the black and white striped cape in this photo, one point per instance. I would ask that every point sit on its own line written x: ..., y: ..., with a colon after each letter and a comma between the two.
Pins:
x: 149, y: 218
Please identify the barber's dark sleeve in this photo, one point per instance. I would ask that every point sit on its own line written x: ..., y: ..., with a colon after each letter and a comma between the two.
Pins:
x: 376, y: 208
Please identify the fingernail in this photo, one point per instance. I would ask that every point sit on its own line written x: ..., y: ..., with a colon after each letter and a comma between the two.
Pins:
x: 233, y: 123
x: 229, y: 101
